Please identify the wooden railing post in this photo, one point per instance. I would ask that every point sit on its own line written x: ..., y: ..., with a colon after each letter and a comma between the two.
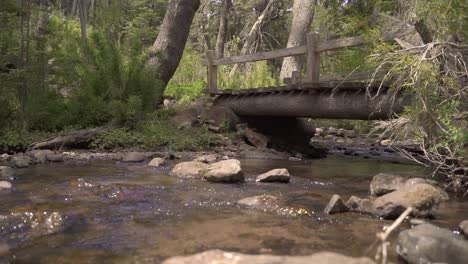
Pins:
x: 313, y: 57
x: 212, y: 71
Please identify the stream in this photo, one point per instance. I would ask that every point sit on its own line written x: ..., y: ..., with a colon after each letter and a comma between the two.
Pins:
x: 107, y: 212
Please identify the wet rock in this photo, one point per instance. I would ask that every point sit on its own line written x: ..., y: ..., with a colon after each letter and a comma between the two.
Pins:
x: 276, y: 175
x: 464, y: 227
x: 156, y: 162
x: 133, y: 157
x: 336, y: 205
x: 189, y: 169
x: 5, y: 185
x: 267, y: 203
x: 360, y: 205
x: 226, y: 171
x: 384, y: 183
x: 427, y: 243
x: 264, y: 154
x: 21, y: 161
x: 423, y: 198
x: 206, y: 158
x: 224, y: 257
x: 4, y: 249
x: 55, y: 158
x: 256, y: 139
x: 6, y: 173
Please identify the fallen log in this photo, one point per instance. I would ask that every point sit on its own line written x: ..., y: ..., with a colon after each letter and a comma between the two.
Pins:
x: 68, y: 139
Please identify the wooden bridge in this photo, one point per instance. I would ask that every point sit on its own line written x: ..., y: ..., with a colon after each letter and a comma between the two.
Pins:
x: 361, y: 96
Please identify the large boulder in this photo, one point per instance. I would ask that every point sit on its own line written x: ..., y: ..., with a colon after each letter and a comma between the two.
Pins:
x: 384, y: 183
x: 267, y: 203
x: 41, y: 155
x: 21, y: 161
x: 224, y: 257
x: 189, y: 169
x: 133, y: 157
x: 255, y: 138
x: 276, y: 175
x: 6, y: 173
x: 225, y: 171
x: 336, y: 205
x: 427, y: 243
x: 423, y: 198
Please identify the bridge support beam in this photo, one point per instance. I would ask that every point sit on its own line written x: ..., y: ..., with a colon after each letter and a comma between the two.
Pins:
x: 341, y: 104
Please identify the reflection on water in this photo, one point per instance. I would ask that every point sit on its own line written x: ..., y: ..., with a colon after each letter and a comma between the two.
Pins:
x: 105, y: 212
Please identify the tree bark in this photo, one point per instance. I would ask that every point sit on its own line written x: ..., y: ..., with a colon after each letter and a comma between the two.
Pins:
x: 253, y: 33
x: 303, y: 14
x: 167, y: 50
x: 223, y: 27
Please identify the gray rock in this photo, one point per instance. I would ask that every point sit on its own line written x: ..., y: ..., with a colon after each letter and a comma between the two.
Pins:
x: 464, y: 227
x: 384, y: 183
x: 443, y: 194
x: 336, y: 205
x: 423, y: 198
x: 41, y: 155
x: 21, y: 161
x: 267, y: 203
x: 55, y: 158
x: 255, y: 138
x: 224, y: 257
x: 427, y: 243
x: 360, y: 205
x: 276, y: 175
x: 206, y: 158
x: 133, y: 157
x: 6, y: 173
x: 5, y: 185
x: 189, y: 169
x: 156, y: 162
x: 225, y: 171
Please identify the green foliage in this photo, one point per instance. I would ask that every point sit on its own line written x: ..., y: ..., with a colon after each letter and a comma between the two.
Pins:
x: 12, y: 141
x: 156, y: 132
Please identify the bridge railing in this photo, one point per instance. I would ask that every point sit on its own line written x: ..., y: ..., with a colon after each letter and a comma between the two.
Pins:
x: 312, y: 50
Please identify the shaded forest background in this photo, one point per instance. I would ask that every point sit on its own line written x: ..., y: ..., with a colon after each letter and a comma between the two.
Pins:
x: 69, y: 64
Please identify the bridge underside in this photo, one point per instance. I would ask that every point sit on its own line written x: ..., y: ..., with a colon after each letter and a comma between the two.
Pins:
x: 353, y: 100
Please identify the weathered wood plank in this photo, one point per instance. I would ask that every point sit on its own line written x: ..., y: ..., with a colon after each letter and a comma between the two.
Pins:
x: 267, y: 55
x: 313, y: 57
x: 339, y: 43
x: 212, y: 71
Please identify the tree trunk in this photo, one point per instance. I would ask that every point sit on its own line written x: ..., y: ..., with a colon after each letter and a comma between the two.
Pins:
x: 223, y: 27
x: 82, y: 6
x: 253, y: 33
x: 169, y: 46
x: 303, y: 14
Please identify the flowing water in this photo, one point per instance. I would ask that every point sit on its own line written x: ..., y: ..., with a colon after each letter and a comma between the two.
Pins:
x: 105, y: 212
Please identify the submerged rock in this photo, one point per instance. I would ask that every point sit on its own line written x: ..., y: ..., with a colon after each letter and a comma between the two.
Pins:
x: 189, y: 169
x: 206, y: 158
x: 226, y: 171
x: 336, y: 205
x: 267, y: 203
x: 7, y: 173
x: 156, y: 162
x: 427, y: 243
x: 133, y: 157
x: 464, y: 227
x: 384, y: 183
x: 224, y: 257
x: 5, y: 185
x: 276, y: 175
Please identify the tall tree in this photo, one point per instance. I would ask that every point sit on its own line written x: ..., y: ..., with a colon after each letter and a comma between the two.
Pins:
x: 253, y: 34
x: 223, y: 27
x: 303, y: 14
x: 167, y: 50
